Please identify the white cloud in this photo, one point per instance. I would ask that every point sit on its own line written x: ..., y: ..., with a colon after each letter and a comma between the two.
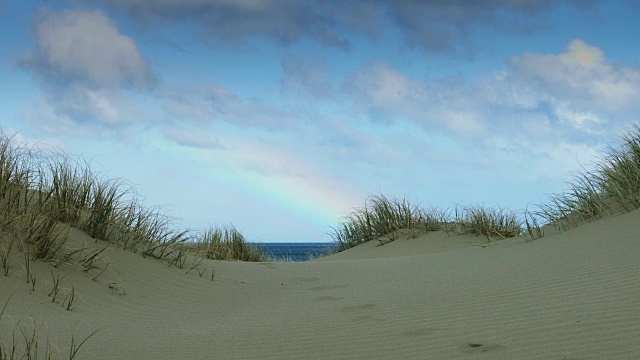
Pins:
x: 579, y: 53
x: 92, y: 74
x: 46, y: 119
x: 386, y: 95
x: 580, y: 77
x: 80, y: 112
x: 582, y: 120
x: 384, y: 88
x: 110, y: 108
x: 548, y: 86
x: 87, y: 48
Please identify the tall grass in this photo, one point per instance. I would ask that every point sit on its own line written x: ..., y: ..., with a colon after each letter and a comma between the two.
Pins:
x: 379, y: 216
x: 43, y: 194
x: 490, y: 222
x: 24, y: 216
x: 613, y: 186
x: 226, y: 243
x: 70, y: 187
x: 383, y: 216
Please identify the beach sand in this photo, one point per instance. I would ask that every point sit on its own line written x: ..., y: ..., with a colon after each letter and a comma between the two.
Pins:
x: 571, y: 295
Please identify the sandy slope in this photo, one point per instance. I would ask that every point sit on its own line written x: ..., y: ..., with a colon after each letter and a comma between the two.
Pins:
x: 575, y: 295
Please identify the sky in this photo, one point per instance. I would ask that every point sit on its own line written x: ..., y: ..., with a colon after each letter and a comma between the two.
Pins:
x: 282, y: 116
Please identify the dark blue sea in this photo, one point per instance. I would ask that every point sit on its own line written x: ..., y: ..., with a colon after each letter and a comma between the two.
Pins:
x: 296, y: 251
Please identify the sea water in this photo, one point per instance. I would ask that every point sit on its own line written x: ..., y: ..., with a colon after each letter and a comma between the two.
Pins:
x: 296, y: 251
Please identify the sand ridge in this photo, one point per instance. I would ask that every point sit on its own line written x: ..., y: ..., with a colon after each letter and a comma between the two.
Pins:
x: 574, y: 295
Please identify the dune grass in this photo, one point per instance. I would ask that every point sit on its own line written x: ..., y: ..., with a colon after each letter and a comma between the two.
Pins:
x: 226, y: 243
x: 25, y: 218
x: 489, y: 222
x: 382, y: 216
x: 26, y: 342
x: 613, y: 186
x: 45, y: 193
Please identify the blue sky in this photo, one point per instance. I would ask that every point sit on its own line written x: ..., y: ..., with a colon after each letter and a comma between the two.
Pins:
x: 281, y: 116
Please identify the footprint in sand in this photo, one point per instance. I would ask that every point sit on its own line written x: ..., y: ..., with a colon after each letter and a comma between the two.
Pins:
x: 476, y: 348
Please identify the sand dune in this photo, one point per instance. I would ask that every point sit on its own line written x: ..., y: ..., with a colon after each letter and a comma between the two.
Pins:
x: 573, y: 295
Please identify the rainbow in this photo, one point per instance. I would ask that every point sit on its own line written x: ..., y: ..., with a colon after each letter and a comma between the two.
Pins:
x: 295, y: 187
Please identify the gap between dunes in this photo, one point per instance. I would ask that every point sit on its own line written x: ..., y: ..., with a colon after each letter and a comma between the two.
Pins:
x: 573, y: 295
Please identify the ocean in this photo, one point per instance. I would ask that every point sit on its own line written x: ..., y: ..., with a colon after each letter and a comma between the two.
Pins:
x: 296, y: 251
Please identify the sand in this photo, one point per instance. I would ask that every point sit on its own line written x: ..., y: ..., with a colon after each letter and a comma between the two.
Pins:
x: 572, y: 295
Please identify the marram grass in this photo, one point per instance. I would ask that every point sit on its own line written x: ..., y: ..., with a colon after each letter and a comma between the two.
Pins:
x: 27, y: 342
x: 226, y: 243
x: 382, y: 216
x: 612, y: 187
x: 43, y: 194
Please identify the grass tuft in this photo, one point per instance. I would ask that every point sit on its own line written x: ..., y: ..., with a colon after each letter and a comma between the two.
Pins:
x: 613, y: 186
x: 31, y: 345
x: 490, y: 222
x: 379, y: 216
x: 44, y: 194
x: 226, y: 243
x: 382, y: 217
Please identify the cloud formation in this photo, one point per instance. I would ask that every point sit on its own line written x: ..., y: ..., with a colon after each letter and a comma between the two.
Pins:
x: 189, y: 138
x: 574, y: 98
x: 213, y: 103
x: 579, y: 91
x: 440, y: 25
x: 581, y: 77
x: 85, y: 113
x: 85, y: 47
x: 89, y: 71
x: 307, y: 75
x: 427, y: 24
x: 386, y: 95
x: 284, y: 21
x: 108, y: 107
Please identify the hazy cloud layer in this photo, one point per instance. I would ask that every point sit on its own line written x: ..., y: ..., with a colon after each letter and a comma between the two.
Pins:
x: 579, y: 92
x: 107, y: 107
x: 79, y: 112
x: 192, y: 138
x: 307, y: 75
x: 209, y: 104
x: 427, y: 24
x: 577, y: 96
